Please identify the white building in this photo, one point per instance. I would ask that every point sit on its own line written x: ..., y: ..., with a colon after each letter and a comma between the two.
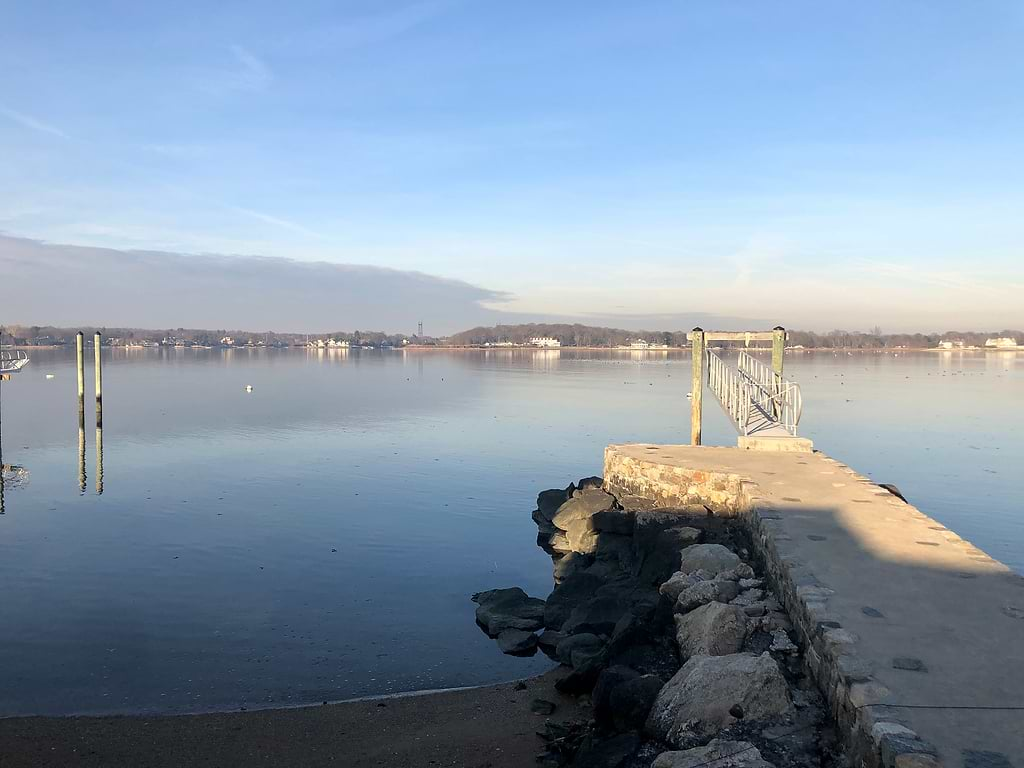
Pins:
x: 640, y: 344
x: 957, y: 344
x: 227, y: 341
x: 545, y: 341
x: 1003, y: 342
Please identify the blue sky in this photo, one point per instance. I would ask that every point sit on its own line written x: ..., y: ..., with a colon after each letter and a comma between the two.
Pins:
x: 822, y: 164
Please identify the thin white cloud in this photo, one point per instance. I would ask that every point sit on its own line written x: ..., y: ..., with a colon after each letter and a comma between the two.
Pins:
x: 30, y: 122
x: 277, y: 222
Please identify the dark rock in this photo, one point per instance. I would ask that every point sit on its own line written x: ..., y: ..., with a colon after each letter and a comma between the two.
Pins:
x: 574, y: 589
x: 620, y: 521
x: 516, y: 641
x: 658, y: 536
x: 588, y: 483
x: 548, y: 502
x: 657, y: 657
x: 617, y: 549
x: 549, y: 639
x: 581, y: 536
x: 718, y: 753
x: 568, y: 564
x: 909, y: 664
x: 613, y: 752
x: 631, y: 702
x: 584, y: 641
x: 609, y: 679
x: 736, y: 711
x: 894, y: 491
x: 542, y: 707
x: 581, y: 507
x: 501, y: 609
x: 598, y: 615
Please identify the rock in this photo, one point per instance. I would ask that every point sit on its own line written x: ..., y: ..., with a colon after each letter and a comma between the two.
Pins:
x: 554, y: 544
x: 740, y: 572
x: 501, y: 609
x: 748, y: 597
x: 618, y: 521
x: 715, y: 754
x: 750, y: 583
x: 564, y: 649
x: 517, y: 641
x: 609, y: 679
x: 657, y: 538
x: 581, y: 507
x: 676, y: 583
x: 581, y: 536
x: 615, y: 548
x: 631, y: 702
x: 781, y: 642
x: 549, y: 639
x: 548, y: 502
x: 590, y: 483
x: 542, y: 707
x: 597, y: 615
x: 607, y: 753
x: 568, y: 564
x: 575, y: 588
x: 714, y: 629
x: 755, y: 609
x: 706, y: 592
x: 713, y: 558
x: 694, y: 705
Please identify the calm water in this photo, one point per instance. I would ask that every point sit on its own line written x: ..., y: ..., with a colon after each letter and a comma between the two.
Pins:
x: 319, y: 538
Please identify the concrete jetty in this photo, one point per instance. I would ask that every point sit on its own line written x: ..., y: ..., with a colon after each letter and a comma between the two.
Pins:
x: 914, y: 635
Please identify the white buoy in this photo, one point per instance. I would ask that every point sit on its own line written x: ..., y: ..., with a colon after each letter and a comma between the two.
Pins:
x: 248, y: 387
x: 49, y: 376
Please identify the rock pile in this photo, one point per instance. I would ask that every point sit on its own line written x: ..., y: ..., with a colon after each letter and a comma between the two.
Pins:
x: 660, y: 618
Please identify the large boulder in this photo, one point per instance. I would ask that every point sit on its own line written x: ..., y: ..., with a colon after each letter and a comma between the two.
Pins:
x: 715, y: 754
x: 697, y: 702
x: 713, y: 558
x: 609, y: 679
x: 517, y: 642
x: 616, y: 549
x: 590, y: 483
x: 618, y: 521
x: 575, y: 588
x: 582, y: 506
x: 584, y: 641
x: 597, y: 615
x: 631, y: 702
x: 714, y: 629
x: 501, y: 609
x: 614, y: 752
x: 581, y: 536
x: 658, y: 535
x: 548, y: 502
x: 703, y: 592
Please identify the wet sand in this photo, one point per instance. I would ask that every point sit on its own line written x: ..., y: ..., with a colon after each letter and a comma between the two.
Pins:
x: 490, y: 727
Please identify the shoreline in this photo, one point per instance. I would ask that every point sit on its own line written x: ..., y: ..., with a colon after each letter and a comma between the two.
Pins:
x: 479, y: 726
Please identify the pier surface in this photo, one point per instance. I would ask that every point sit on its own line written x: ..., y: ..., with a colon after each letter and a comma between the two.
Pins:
x: 899, y: 613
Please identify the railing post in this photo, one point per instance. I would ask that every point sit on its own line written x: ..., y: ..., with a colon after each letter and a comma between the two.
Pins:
x: 697, y: 339
x: 97, y: 340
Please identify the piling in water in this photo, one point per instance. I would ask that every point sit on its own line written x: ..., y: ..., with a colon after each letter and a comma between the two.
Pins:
x: 99, y: 383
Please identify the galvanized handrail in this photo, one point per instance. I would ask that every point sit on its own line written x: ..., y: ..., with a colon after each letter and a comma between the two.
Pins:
x: 12, y: 361
x: 753, y: 395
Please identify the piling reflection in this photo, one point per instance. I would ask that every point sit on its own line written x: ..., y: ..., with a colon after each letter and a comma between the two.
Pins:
x: 99, y: 460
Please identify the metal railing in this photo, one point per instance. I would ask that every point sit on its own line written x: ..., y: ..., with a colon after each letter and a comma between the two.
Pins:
x: 754, y: 396
x: 12, y: 361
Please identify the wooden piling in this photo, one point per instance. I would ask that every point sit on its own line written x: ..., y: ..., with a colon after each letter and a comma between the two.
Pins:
x: 97, y: 340
x: 778, y: 348
x: 80, y: 359
x: 697, y: 340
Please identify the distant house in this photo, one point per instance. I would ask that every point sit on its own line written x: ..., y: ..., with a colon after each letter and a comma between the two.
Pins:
x: 951, y: 344
x: 227, y: 341
x: 545, y: 341
x: 1003, y: 342
x: 640, y: 344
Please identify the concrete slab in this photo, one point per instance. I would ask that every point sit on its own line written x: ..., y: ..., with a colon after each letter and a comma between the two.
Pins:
x: 904, y: 612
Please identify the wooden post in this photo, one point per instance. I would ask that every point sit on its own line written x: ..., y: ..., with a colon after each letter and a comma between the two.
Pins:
x: 99, y: 382
x: 778, y: 348
x: 697, y: 338
x: 80, y: 348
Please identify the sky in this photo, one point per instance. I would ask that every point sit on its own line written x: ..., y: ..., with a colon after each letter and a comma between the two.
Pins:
x: 818, y: 165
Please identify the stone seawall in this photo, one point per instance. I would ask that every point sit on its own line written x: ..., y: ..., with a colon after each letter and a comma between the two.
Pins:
x: 669, y: 476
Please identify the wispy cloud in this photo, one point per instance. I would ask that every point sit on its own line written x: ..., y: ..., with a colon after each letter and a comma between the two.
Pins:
x: 246, y: 72
x: 30, y: 122
x: 277, y: 222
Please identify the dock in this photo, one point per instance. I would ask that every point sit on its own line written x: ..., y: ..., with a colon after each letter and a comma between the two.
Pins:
x: 914, y: 635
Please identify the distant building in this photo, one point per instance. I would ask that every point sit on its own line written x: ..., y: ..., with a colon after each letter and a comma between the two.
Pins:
x: 1003, y: 342
x: 640, y: 344
x: 953, y: 344
x: 545, y: 341
x: 227, y: 341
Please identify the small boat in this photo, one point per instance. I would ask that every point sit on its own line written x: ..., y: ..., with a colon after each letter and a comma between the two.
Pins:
x: 12, y: 361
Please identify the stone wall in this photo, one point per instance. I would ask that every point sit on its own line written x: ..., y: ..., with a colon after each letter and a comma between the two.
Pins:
x: 871, y: 740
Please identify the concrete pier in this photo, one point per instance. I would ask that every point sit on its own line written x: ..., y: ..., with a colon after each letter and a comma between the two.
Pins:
x: 914, y: 635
